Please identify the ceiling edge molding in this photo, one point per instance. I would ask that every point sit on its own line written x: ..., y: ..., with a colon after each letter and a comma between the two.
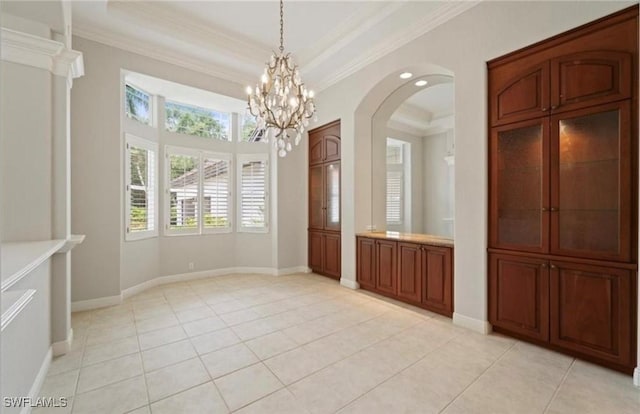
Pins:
x: 147, y: 50
x: 342, y: 35
x: 161, y: 18
x: 42, y: 53
x: 418, y: 28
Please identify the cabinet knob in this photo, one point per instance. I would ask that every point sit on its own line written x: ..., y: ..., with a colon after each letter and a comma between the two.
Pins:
x: 553, y: 266
x: 554, y: 209
x: 544, y: 209
x: 544, y: 265
x: 545, y: 109
x: 554, y: 106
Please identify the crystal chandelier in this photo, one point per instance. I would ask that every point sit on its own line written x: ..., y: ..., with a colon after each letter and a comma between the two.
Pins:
x: 280, y: 101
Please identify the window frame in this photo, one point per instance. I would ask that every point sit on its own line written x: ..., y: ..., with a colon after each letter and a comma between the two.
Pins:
x: 200, y: 155
x: 150, y: 146
x: 241, y: 158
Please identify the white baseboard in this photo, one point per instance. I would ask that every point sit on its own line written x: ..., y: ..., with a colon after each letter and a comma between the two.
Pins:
x: 636, y: 377
x: 62, y: 347
x: 36, y: 387
x: 351, y: 284
x: 483, y: 327
x: 182, y: 277
x: 293, y: 270
x: 96, y: 303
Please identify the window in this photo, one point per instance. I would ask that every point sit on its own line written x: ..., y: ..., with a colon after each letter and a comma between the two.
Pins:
x: 138, y: 104
x: 193, y: 120
x: 248, y: 130
x: 252, y: 187
x: 395, y: 182
x: 140, y: 198
x: 198, y: 191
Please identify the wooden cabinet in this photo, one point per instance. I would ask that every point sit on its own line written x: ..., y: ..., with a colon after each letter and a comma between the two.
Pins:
x: 591, y: 310
x: 416, y: 273
x: 519, y: 295
x: 324, y: 200
x: 437, y: 281
x: 563, y: 191
x: 386, y: 266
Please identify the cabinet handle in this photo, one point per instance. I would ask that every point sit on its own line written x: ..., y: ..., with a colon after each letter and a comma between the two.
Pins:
x: 544, y: 109
x: 554, y: 106
x: 553, y: 266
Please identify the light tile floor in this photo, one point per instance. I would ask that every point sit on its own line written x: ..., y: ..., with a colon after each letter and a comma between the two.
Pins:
x: 304, y: 344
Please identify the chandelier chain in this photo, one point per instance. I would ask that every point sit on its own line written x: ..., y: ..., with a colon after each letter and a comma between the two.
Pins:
x: 281, y: 26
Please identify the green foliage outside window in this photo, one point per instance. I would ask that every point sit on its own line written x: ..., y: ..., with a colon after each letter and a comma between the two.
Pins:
x: 192, y: 120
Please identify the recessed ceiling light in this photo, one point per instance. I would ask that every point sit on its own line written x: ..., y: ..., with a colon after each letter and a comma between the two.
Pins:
x: 406, y: 75
x: 421, y: 82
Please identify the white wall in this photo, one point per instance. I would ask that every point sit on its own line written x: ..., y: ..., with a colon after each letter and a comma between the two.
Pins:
x: 437, y: 186
x: 463, y: 46
x: 106, y: 264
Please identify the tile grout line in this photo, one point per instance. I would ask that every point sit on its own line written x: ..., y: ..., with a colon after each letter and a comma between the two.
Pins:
x: 557, y: 390
x: 401, y: 371
x: 478, y: 377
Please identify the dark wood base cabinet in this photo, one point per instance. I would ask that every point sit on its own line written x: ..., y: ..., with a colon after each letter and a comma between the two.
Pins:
x: 324, y: 253
x: 563, y: 209
x: 416, y: 273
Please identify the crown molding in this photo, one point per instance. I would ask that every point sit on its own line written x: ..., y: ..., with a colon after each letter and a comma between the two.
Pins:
x: 344, y: 34
x: 180, y: 26
x: 38, y: 52
x: 143, y: 48
x: 419, y: 27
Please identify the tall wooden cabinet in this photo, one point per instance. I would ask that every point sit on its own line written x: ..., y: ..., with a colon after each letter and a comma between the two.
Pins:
x: 324, y: 200
x: 563, y: 203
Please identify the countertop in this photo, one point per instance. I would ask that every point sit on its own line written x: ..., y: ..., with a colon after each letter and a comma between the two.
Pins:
x: 409, y: 237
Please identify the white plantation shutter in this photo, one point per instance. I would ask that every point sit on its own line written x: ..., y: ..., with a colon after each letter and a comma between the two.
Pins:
x: 183, y: 188
x: 140, y: 197
x: 395, y: 197
x: 216, y: 191
x: 252, y: 176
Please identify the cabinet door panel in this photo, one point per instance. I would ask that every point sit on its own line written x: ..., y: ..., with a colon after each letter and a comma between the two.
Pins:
x: 591, y: 310
x: 316, y: 253
x: 438, y: 278
x: 589, y: 78
x: 520, y: 186
x: 520, y: 97
x: 519, y: 295
x: 590, y: 182
x: 331, y: 263
x: 332, y: 147
x: 386, y: 266
x: 316, y: 200
x: 410, y: 271
x: 316, y: 148
x: 366, y: 262
x: 332, y: 196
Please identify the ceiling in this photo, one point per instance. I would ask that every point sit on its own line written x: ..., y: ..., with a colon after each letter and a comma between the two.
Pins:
x: 233, y: 39
x: 427, y: 112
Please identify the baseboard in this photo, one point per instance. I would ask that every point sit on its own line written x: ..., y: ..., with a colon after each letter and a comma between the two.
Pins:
x: 351, y: 284
x: 96, y: 303
x: 62, y: 347
x: 293, y: 270
x: 181, y: 277
x: 36, y: 387
x: 483, y: 327
x: 636, y: 377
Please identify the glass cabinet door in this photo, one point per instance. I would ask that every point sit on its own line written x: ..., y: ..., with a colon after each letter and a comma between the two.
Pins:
x: 316, y: 205
x: 332, y: 196
x: 591, y: 195
x: 519, y: 186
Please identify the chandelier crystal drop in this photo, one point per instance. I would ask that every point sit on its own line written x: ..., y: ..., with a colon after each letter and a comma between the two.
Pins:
x: 280, y: 101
